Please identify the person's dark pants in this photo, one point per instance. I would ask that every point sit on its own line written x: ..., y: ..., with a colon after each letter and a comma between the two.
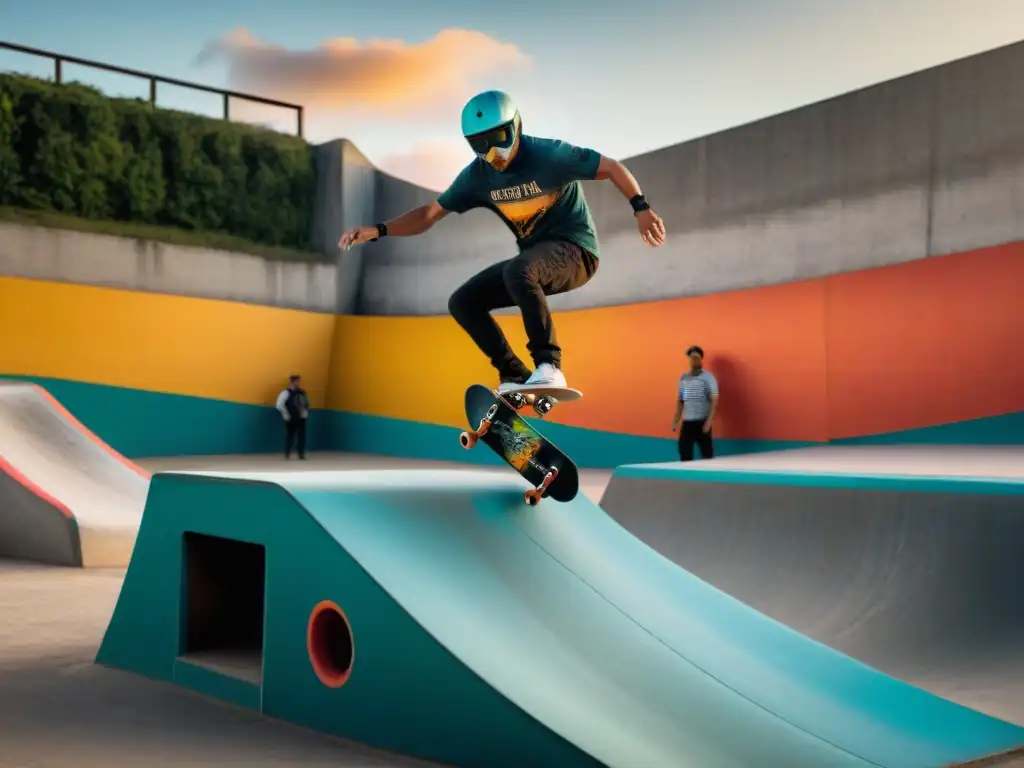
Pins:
x: 692, y: 433
x: 542, y: 270
x: 295, y: 435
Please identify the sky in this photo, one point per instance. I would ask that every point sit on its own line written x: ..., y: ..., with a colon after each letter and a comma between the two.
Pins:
x: 392, y: 75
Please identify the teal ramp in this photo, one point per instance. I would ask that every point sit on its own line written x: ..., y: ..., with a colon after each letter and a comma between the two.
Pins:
x: 486, y: 633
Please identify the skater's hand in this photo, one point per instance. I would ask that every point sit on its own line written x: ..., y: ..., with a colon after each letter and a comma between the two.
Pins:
x: 675, y: 425
x: 357, y: 236
x: 651, y: 228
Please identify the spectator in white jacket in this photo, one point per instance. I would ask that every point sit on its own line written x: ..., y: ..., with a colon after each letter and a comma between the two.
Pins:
x: 294, y: 407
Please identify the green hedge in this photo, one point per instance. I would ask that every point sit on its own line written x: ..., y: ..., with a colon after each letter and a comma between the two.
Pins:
x: 70, y: 149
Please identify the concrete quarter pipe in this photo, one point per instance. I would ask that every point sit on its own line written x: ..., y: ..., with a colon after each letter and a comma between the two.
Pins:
x: 900, y: 564
x: 66, y: 498
x: 433, y: 613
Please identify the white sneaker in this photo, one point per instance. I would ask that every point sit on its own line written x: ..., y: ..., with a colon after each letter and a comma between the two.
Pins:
x: 546, y: 375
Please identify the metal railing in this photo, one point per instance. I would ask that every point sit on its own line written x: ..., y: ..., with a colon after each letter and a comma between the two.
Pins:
x: 59, y: 59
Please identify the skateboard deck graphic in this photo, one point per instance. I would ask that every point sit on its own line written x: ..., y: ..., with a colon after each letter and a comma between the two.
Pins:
x: 497, y: 424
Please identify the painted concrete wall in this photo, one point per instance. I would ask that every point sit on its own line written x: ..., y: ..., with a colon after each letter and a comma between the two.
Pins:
x: 138, y: 265
x: 925, y: 165
x: 154, y: 374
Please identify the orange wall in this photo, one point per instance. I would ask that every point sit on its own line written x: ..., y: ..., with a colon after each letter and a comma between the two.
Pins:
x: 931, y: 342
x: 627, y: 361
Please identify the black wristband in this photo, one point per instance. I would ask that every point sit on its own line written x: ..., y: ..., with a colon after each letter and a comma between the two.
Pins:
x: 382, y: 230
x: 639, y: 203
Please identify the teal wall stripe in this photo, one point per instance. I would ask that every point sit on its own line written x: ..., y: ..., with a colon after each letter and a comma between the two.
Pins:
x: 139, y: 424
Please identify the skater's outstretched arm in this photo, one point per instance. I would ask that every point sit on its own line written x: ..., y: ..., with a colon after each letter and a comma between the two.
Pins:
x: 414, y: 222
x: 649, y: 224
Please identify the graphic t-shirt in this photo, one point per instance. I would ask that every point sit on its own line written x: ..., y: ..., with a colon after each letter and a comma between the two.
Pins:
x: 539, y: 195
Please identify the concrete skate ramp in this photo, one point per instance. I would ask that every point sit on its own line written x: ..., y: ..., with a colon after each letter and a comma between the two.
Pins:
x: 917, y: 577
x: 66, y: 498
x: 470, y: 629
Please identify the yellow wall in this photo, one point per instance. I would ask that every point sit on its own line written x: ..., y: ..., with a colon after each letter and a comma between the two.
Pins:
x: 169, y: 344
x: 412, y: 368
x: 626, y: 359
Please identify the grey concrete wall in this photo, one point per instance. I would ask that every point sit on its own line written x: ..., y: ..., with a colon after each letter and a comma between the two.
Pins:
x: 924, y: 165
x: 346, y: 197
x: 415, y: 275
x: 79, y: 257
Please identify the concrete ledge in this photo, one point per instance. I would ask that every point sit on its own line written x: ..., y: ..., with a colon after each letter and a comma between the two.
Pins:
x: 147, y: 265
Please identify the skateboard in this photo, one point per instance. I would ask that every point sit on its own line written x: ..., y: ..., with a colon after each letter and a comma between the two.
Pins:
x: 518, y: 443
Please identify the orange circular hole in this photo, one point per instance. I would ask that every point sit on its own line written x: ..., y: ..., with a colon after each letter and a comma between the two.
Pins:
x: 330, y: 644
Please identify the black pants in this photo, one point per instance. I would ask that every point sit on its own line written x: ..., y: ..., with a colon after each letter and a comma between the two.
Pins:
x: 295, y: 434
x: 542, y: 270
x: 692, y: 433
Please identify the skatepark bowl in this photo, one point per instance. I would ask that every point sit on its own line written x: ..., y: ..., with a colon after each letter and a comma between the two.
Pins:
x: 819, y: 607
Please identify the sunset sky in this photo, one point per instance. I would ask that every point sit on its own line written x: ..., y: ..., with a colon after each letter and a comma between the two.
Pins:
x: 392, y: 75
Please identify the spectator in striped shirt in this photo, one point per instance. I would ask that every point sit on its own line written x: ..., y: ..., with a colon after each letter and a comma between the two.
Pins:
x: 695, y: 407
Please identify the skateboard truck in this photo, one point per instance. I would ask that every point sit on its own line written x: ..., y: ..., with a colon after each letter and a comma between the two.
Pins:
x: 468, y: 439
x: 534, y: 495
x: 541, y: 405
x: 516, y: 400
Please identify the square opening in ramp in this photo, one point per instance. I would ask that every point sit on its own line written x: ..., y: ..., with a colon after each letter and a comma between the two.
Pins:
x: 224, y: 602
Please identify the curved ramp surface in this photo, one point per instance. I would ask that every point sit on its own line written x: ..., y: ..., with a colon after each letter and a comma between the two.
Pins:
x: 487, y: 633
x: 66, y: 497
x: 918, y: 576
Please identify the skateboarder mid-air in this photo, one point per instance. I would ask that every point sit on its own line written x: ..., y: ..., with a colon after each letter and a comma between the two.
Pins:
x: 533, y: 184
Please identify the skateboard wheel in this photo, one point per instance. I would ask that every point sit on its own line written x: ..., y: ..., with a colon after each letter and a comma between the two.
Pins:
x: 468, y: 440
x: 532, y: 497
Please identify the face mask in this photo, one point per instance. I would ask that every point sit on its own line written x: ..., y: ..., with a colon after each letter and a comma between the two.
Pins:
x: 499, y: 158
x: 496, y: 147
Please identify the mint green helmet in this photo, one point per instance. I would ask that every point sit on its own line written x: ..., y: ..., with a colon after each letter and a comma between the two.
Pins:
x: 492, y: 126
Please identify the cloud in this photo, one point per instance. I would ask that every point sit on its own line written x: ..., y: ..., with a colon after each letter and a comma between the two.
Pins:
x: 430, y: 164
x: 377, y: 77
